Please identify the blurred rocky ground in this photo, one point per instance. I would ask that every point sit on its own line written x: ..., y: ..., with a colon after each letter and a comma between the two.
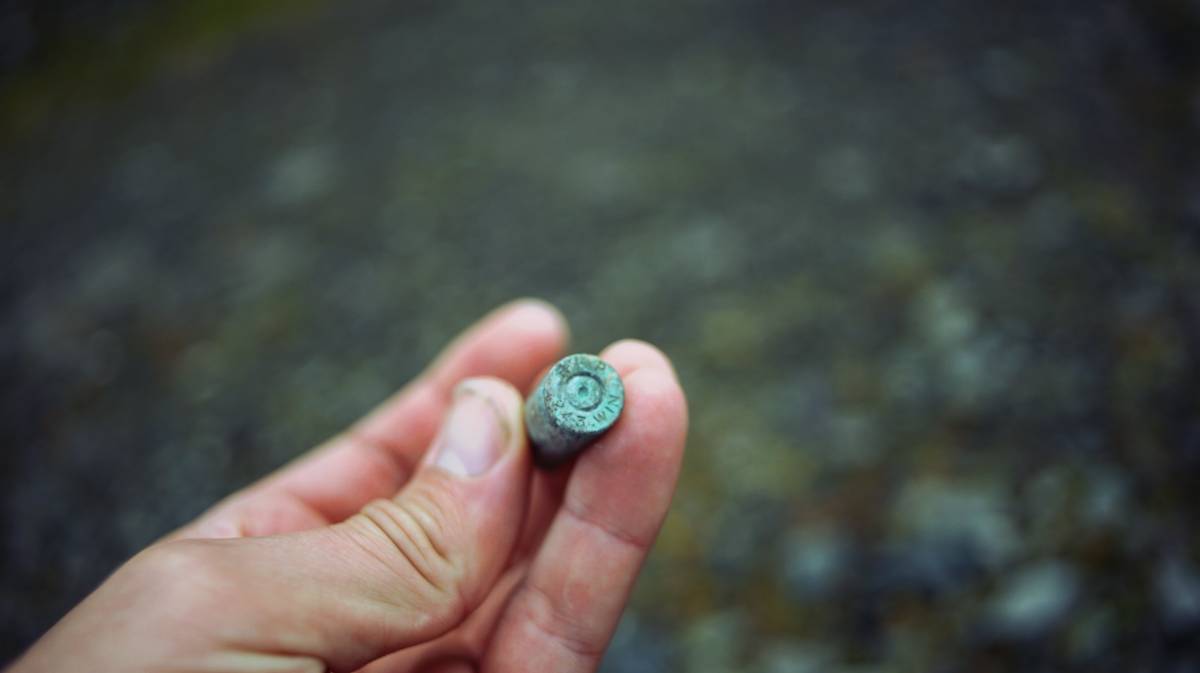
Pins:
x: 930, y: 273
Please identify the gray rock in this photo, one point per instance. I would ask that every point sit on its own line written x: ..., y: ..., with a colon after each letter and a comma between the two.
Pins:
x: 1091, y: 635
x: 975, y: 518
x: 144, y: 173
x: 1178, y: 588
x: 1107, y: 501
x: 743, y: 537
x: 850, y: 174
x: 965, y: 363
x: 925, y: 566
x: 300, y: 175
x: 1005, y: 74
x: 998, y: 166
x: 944, y: 314
x: 1034, y: 600
x: 814, y: 560
x: 855, y: 439
x: 715, y: 643
x: 794, y: 657
x: 638, y: 647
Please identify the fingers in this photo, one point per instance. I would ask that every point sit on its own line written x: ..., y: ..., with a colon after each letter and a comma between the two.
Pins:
x: 450, y: 667
x: 376, y: 456
x: 563, y: 616
x: 461, y: 644
x: 546, y: 491
x: 407, y: 569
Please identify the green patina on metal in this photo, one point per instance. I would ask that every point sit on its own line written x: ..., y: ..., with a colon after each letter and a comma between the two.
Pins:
x: 578, y: 400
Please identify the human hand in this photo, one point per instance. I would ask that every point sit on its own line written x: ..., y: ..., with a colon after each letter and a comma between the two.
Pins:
x: 399, y: 546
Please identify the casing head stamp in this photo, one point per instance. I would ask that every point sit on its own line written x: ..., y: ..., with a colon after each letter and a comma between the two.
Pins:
x: 578, y: 400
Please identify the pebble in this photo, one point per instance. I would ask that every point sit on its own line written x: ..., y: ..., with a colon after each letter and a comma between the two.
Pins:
x: 850, y: 174
x: 1001, y: 166
x: 977, y: 519
x: 927, y: 567
x: 745, y: 533
x: 794, y: 657
x: 1033, y: 600
x: 639, y: 647
x: 1178, y: 588
x: 814, y: 560
x: 714, y: 643
x: 1005, y: 74
x: 301, y: 174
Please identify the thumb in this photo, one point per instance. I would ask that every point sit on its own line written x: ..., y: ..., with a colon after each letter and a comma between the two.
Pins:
x: 406, y: 569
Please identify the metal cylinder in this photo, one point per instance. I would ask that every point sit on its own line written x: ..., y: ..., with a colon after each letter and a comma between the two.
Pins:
x: 576, y: 401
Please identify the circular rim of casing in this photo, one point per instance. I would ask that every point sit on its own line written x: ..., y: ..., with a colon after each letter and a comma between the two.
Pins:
x: 586, y: 422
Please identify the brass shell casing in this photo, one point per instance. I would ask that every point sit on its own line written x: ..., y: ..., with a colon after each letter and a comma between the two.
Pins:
x: 578, y: 400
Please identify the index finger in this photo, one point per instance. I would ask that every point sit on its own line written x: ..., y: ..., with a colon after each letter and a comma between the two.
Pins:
x: 564, y: 614
x: 375, y: 457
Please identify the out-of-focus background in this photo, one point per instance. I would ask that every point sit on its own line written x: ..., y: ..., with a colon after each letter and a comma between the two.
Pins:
x: 930, y: 273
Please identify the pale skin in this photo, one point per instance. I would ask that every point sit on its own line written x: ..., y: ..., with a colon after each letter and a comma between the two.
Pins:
x: 420, y: 539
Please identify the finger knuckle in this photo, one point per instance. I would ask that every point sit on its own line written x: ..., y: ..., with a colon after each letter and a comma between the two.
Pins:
x: 557, y: 628
x: 413, y: 540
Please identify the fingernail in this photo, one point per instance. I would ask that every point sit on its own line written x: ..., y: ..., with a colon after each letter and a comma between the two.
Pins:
x: 473, y: 435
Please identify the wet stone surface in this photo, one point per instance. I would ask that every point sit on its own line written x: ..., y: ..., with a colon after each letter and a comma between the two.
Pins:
x: 929, y: 272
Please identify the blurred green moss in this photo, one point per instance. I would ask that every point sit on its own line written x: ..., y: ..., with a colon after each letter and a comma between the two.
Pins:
x: 168, y: 35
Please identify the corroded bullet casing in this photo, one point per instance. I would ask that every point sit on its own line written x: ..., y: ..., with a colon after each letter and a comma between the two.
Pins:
x: 576, y: 402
